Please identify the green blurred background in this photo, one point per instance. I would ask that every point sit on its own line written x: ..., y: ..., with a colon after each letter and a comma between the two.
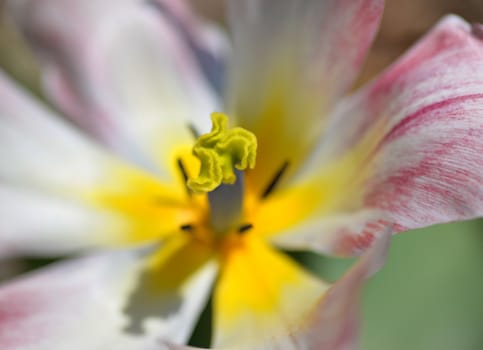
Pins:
x: 430, y: 293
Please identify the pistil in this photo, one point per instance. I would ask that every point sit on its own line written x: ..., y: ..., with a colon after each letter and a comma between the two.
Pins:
x: 226, y: 205
x: 224, y: 154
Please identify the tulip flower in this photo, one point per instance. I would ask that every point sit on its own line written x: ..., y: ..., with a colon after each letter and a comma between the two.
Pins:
x: 201, y: 162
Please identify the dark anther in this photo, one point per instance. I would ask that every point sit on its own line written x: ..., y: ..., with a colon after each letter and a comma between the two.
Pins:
x: 182, y: 169
x: 244, y: 228
x: 275, y: 180
x: 193, y: 131
x: 186, y: 228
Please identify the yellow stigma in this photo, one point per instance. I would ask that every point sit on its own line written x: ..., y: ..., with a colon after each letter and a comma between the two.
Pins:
x: 219, y: 152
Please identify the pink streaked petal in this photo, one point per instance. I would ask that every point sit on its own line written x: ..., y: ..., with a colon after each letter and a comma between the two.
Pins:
x: 334, y: 323
x: 127, y: 77
x: 292, y: 61
x: 342, y: 234
x: 428, y: 167
x: 87, y: 304
x: 424, y: 164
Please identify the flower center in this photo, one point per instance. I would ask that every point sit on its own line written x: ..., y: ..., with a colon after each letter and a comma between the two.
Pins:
x: 224, y: 154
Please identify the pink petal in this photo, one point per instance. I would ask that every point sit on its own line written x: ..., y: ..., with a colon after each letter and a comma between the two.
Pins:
x: 120, y: 70
x: 88, y: 304
x: 424, y: 163
x: 292, y: 61
x: 428, y: 166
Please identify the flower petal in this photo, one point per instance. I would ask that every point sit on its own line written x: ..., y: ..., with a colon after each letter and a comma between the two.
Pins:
x: 32, y: 223
x: 126, y: 76
x: 292, y: 60
x: 333, y: 323
x: 57, y: 179
x: 437, y: 136
x: 91, y: 303
x: 408, y: 148
x: 337, y: 314
x: 207, y: 42
x: 40, y: 158
x: 260, y: 294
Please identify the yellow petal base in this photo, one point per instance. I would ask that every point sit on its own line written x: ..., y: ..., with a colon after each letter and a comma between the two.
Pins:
x: 260, y: 293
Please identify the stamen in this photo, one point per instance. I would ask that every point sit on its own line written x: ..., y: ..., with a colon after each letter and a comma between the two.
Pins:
x: 186, y: 227
x: 244, y: 228
x: 184, y: 173
x: 221, y: 152
x: 275, y: 180
x: 193, y: 131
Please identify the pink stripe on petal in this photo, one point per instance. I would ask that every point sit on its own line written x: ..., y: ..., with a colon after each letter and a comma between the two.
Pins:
x: 426, y: 115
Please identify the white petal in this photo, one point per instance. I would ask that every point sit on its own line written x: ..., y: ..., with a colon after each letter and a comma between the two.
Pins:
x: 292, y: 60
x: 34, y: 223
x: 44, y: 167
x: 87, y: 304
x: 120, y: 70
x: 208, y: 43
x: 40, y: 150
x: 48, y: 174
